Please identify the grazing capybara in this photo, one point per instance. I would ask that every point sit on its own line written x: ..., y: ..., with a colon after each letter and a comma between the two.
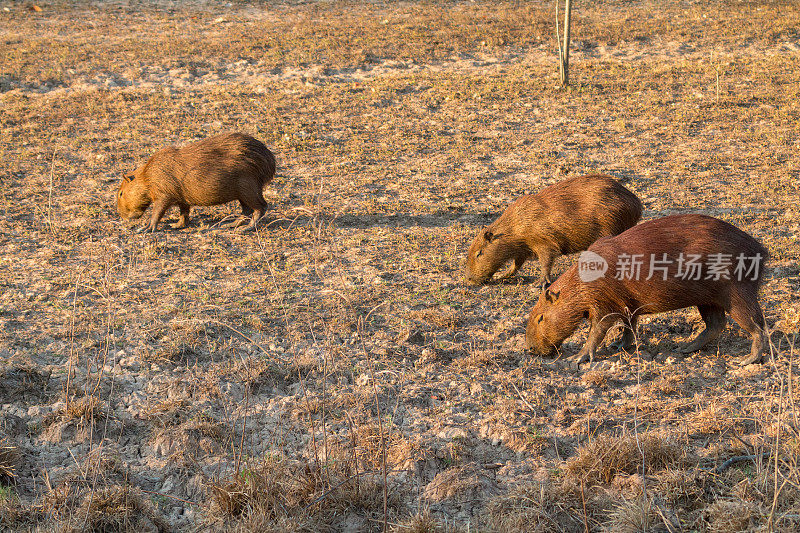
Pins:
x: 217, y: 170
x: 660, y: 265
x: 561, y: 219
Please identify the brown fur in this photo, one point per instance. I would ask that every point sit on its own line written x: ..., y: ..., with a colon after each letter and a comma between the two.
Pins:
x: 606, y: 300
x: 217, y: 170
x: 561, y: 219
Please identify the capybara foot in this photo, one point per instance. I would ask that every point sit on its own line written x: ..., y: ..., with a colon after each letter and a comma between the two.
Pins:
x: 240, y: 221
x: 510, y: 273
x: 245, y: 229
x: 689, y: 348
x: 753, y: 358
x: 178, y: 225
x: 750, y: 360
x: 574, y: 362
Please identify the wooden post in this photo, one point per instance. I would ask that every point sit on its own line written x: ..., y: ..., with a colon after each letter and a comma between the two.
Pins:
x: 563, y: 48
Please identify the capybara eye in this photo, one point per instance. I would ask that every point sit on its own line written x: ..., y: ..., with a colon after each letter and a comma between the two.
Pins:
x: 480, y: 253
x: 539, y: 319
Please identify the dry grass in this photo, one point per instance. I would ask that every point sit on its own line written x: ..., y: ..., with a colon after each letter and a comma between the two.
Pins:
x: 119, y: 509
x: 281, y: 496
x: 342, y: 330
x: 423, y: 522
x: 726, y: 516
x: 603, y: 458
x: 9, y: 458
x: 544, y: 507
x: 634, y: 517
x: 87, y: 409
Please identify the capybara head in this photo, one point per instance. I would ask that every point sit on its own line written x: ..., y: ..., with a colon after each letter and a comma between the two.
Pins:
x: 485, y: 256
x: 132, y: 197
x: 552, y: 320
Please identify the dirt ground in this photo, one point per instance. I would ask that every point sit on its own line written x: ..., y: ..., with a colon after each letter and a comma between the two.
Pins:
x: 332, y: 372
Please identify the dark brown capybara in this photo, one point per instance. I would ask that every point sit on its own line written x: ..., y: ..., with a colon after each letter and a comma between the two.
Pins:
x: 683, y: 261
x: 217, y: 170
x: 561, y: 219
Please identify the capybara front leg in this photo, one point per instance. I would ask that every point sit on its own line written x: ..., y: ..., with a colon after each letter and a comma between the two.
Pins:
x: 546, y: 259
x: 183, y: 219
x: 159, y: 208
x: 714, y: 318
x: 596, y: 335
x: 518, y: 261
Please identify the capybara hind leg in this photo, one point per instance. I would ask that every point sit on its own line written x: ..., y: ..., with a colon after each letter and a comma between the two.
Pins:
x: 241, y: 220
x: 596, y: 335
x: 628, y: 340
x: 714, y: 318
x: 183, y: 219
x: 748, y: 315
x: 246, y: 210
x: 258, y: 212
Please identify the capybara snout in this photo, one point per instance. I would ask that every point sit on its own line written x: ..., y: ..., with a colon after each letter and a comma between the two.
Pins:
x: 561, y: 219
x: 661, y: 265
x: 213, y: 171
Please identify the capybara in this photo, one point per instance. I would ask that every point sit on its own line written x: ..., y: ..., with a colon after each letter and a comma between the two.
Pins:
x: 660, y: 265
x: 561, y: 219
x: 217, y: 170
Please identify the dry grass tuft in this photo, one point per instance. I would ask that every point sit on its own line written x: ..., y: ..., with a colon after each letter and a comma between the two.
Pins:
x: 9, y: 459
x: 605, y: 457
x: 117, y: 509
x: 595, y: 378
x: 633, y: 517
x: 14, y: 516
x: 680, y: 488
x: 85, y: 409
x: 277, y: 495
x: 543, y: 508
x: 422, y: 522
x: 726, y: 516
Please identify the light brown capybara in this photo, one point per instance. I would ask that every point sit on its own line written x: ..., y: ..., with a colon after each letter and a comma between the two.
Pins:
x: 683, y: 261
x: 561, y: 219
x: 213, y: 171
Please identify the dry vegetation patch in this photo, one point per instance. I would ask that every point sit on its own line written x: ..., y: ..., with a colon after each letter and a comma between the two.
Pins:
x: 301, y: 497
x: 600, y: 460
x: 256, y: 383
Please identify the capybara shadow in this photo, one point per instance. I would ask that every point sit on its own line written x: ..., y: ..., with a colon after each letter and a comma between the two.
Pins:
x: 683, y: 261
x: 213, y: 171
x: 561, y: 219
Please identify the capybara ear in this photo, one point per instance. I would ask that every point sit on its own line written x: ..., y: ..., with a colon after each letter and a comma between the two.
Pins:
x: 491, y: 237
x: 551, y: 296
